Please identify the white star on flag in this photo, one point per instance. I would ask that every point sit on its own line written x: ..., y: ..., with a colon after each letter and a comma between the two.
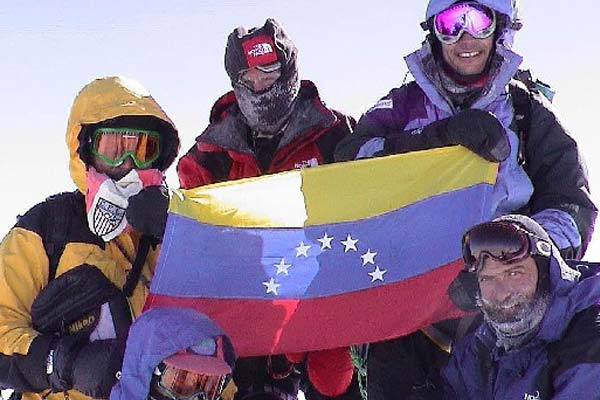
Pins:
x: 325, y: 241
x: 271, y: 286
x: 282, y: 267
x: 377, y: 275
x: 349, y: 244
x: 302, y: 250
x: 368, y: 258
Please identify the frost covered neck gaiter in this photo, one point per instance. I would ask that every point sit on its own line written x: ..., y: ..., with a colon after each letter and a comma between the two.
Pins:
x: 267, y: 112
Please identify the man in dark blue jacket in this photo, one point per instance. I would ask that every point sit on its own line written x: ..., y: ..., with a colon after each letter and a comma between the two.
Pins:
x: 540, y: 338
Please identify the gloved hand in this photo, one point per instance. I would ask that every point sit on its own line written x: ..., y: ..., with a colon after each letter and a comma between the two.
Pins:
x: 97, y: 366
x: 330, y: 371
x: 91, y: 368
x: 463, y: 291
x: 265, y: 378
x: 147, y: 211
x: 60, y: 360
x: 477, y: 130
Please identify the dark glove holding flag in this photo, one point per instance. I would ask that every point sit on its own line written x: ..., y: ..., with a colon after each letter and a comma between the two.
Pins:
x: 147, y: 211
x: 88, y: 318
x: 477, y: 130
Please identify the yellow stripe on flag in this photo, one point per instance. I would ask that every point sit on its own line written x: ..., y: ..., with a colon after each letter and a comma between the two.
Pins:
x: 335, y: 192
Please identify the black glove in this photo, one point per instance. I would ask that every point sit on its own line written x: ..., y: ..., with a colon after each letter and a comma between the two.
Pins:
x: 60, y: 361
x: 147, y: 211
x: 477, y: 130
x: 97, y: 366
x: 79, y: 312
x: 91, y: 368
x: 463, y: 291
x: 257, y: 378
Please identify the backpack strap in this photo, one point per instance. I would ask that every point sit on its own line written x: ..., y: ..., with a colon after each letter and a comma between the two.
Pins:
x: 59, y: 214
x: 136, y: 269
x: 521, y: 99
x: 521, y: 90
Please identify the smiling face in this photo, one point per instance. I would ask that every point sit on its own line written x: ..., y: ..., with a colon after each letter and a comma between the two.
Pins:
x: 507, y: 290
x: 468, y: 56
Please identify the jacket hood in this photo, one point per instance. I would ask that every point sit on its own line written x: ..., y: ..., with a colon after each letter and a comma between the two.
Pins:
x: 108, y: 98
x: 156, y: 335
x: 228, y: 127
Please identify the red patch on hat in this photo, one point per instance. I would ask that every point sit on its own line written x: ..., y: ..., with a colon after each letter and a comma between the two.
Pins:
x: 259, y: 50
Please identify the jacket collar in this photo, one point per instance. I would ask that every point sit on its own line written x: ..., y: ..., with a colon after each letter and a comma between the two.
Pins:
x: 567, y: 298
x: 423, y: 67
x: 228, y: 128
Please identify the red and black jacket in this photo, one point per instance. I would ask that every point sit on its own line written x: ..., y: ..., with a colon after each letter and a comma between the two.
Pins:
x: 223, y: 151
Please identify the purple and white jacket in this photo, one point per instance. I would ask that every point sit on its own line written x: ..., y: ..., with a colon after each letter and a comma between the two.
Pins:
x: 552, y: 187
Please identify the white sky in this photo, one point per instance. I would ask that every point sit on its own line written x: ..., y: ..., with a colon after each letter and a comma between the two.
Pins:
x: 352, y: 50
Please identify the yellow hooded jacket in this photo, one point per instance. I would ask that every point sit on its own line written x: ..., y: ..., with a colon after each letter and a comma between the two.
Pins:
x: 24, y: 264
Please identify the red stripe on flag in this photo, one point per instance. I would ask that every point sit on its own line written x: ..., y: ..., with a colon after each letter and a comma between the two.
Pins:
x: 259, y: 327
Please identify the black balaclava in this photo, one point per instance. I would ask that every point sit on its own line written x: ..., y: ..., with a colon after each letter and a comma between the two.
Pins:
x: 266, y: 112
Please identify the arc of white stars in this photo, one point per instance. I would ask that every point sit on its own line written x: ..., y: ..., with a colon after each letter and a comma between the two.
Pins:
x: 349, y: 244
x: 325, y: 241
x: 377, y: 275
x: 368, y: 257
x: 302, y: 250
x: 282, y: 267
x: 271, y: 286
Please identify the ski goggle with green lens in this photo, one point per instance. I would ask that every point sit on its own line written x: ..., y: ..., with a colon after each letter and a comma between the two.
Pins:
x: 477, y: 19
x: 114, y: 145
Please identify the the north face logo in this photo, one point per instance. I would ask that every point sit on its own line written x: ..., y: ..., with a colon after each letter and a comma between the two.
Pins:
x: 260, y: 49
x: 313, y: 162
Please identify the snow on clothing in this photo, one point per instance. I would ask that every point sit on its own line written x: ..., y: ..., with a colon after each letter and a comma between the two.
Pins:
x: 552, y: 187
x: 223, y: 151
x: 562, y: 361
x: 24, y: 264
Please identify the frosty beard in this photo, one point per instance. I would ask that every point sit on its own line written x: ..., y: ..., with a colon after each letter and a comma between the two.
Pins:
x: 516, y: 319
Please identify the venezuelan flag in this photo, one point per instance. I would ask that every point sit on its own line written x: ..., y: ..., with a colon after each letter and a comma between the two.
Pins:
x: 324, y: 257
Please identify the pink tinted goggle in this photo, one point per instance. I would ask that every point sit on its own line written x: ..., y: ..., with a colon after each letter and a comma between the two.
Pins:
x: 472, y: 17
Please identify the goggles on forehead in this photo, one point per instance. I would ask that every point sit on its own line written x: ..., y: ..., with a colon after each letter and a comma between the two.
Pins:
x: 114, y: 145
x: 180, y: 384
x: 472, y: 17
x: 502, y: 241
